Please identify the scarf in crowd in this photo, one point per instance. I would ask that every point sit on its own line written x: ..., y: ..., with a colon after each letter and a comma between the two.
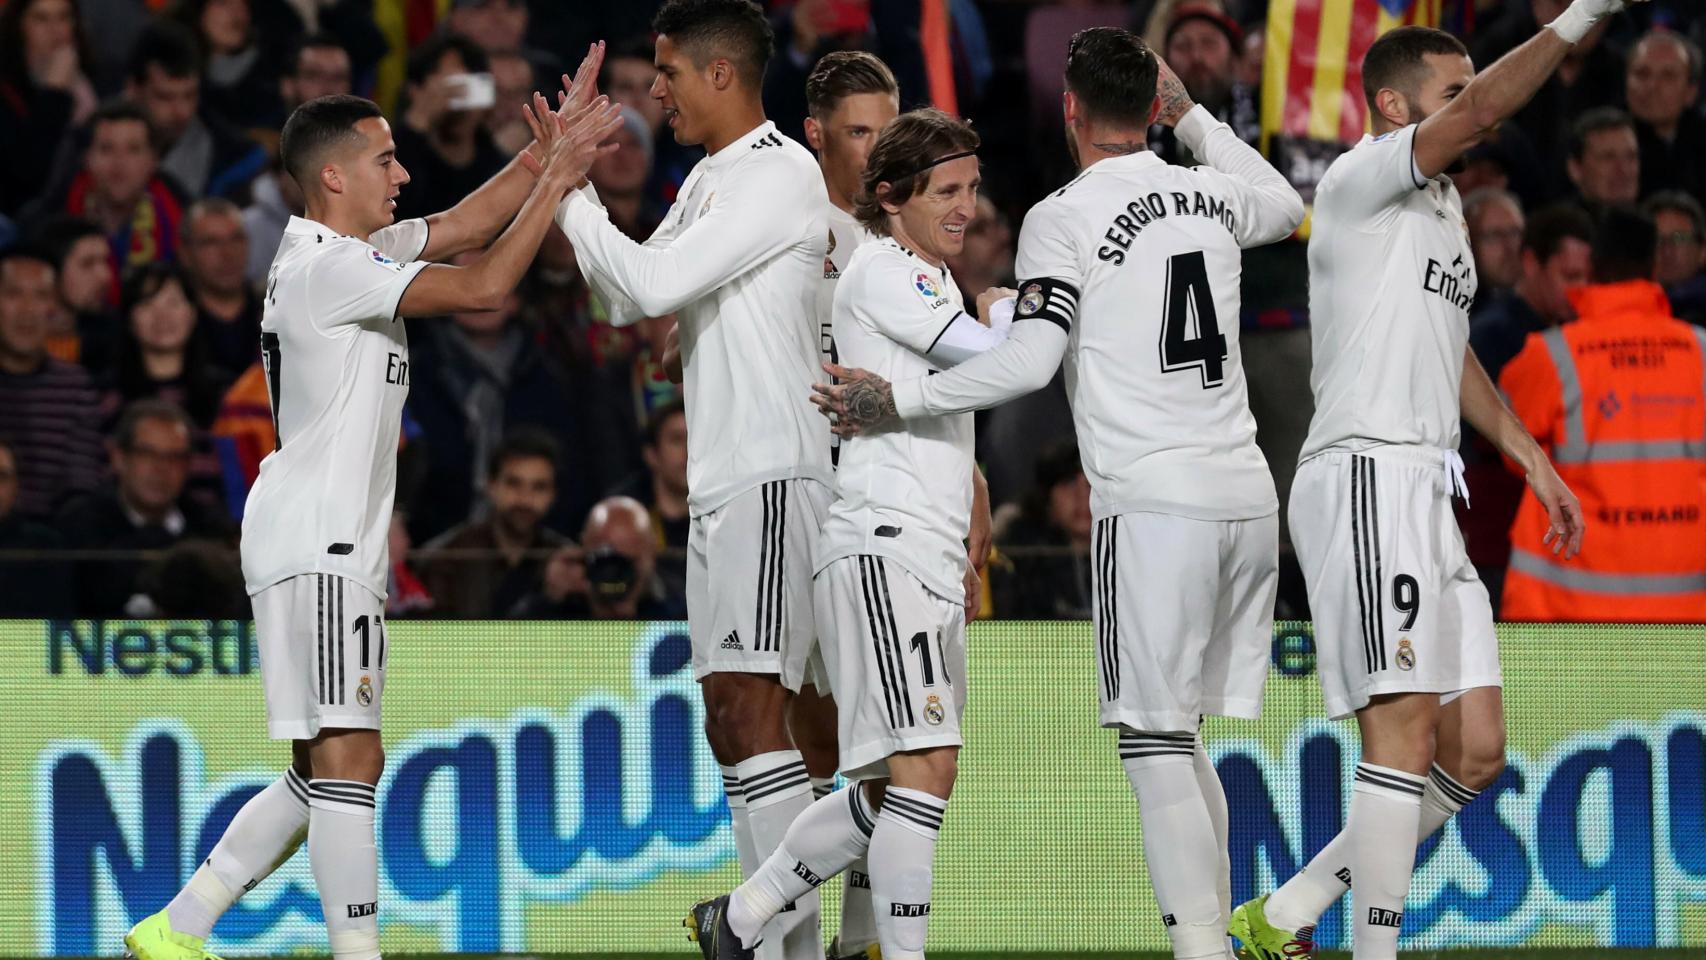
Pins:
x: 151, y: 234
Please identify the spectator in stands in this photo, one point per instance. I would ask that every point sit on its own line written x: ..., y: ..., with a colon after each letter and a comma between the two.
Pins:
x: 1681, y: 265
x: 1631, y: 453
x: 621, y: 178
x: 320, y: 67
x: 476, y: 379
x: 86, y: 327
x: 200, y: 154
x: 1663, y: 85
x: 1605, y: 160
x: 1495, y: 235
x: 228, y: 310
x: 44, y: 93
x: 1557, y: 247
x: 1203, y: 45
x: 1042, y: 571
x: 30, y: 586
x: 521, y: 482
x: 143, y: 508
x: 627, y: 77
x: 242, y: 435
x: 442, y: 140
x: 987, y: 256
x: 238, y: 72
x: 514, y: 79
x: 662, y: 489
x: 49, y: 414
x: 200, y: 579
x: 121, y: 190
x: 621, y: 550
x: 159, y: 351
x: 405, y: 593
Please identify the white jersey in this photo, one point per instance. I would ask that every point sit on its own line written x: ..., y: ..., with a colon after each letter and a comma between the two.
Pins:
x: 1391, y: 278
x: 737, y: 260
x: 1140, y: 263
x: 846, y: 234
x: 903, y: 493
x: 337, y: 364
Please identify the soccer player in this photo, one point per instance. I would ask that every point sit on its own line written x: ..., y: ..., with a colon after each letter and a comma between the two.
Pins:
x: 890, y: 587
x: 738, y: 259
x: 1403, y: 626
x: 1130, y: 272
x: 315, y: 529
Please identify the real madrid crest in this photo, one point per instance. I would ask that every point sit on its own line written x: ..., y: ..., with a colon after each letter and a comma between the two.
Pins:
x: 933, y: 712
x: 364, y: 693
x: 1406, y: 655
x: 706, y: 206
x: 1031, y: 300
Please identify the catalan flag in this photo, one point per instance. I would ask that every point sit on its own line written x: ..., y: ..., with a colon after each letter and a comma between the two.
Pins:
x: 1312, y: 74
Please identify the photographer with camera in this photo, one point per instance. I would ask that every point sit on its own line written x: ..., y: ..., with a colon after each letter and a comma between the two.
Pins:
x: 612, y: 575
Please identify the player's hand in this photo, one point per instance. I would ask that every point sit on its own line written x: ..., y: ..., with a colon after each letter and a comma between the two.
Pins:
x: 579, y: 90
x: 565, y: 575
x: 1564, y: 535
x: 860, y: 403
x: 576, y: 141
x: 1175, y: 100
x: 672, y: 354
x: 987, y: 299
x: 974, y: 592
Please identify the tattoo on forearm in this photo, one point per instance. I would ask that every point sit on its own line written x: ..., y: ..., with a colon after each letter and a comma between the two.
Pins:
x: 1175, y: 99
x: 1122, y: 148
x: 869, y: 402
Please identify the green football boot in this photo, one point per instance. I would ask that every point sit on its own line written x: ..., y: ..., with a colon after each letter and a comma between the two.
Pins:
x: 154, y: 939
x: 1261, y: 940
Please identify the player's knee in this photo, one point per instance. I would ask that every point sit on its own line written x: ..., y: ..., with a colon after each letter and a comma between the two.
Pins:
x: 1483, y: 760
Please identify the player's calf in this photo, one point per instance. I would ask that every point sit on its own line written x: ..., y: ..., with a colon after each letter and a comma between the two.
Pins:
x: 903, y: 848
x: 1180, y: 844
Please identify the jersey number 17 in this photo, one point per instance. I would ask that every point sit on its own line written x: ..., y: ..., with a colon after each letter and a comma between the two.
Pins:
x: 1188, y: 295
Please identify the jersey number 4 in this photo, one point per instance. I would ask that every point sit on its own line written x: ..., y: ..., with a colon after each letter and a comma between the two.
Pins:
x: 1190, y: 299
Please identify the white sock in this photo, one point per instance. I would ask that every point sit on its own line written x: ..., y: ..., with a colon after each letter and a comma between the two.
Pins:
x: 1308, y: 894
x: 777, y: 790
x: 1214, y: 796
x: 1386, y: 811
x: 346, y: 865
x: 903, y: 857
x: 263, y: 834
x: 822, y: 787
x: 858, y: 918
x: 822, y: 842
x: 1179, y: 841
x: 739, y: 825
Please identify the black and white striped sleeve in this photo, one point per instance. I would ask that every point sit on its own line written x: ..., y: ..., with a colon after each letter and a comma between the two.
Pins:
x: 1048, y: 298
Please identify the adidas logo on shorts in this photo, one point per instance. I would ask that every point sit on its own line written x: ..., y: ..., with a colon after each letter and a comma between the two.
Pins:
x: 732, y: 641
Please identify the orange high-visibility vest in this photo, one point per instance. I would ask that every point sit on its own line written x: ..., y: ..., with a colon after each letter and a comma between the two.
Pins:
x: 1619, y: 399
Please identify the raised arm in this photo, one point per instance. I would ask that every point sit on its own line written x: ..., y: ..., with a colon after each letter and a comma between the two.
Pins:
x: 483, y: 285
x: 1503, y: 88
x: 1487, y: 412
x: 481, y: 215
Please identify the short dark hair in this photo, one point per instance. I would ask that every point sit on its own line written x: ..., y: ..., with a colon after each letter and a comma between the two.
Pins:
x: 58, y: 234
x: 26, y: 254
x: 708, y: 29
x: 123, y: 111
x: 142, y: 281
x: 660, y: 417
x: 312, y: 41
x: 1546, y: 231
x: 1113, y: 73
x: 524, y: 443
x: 169, y: 46
x: 846, y: 73
x: 1678, y: 201
x: 317, y: 127
x: 1398, y: 60
x: 902, y: 158
x: 423, y: 60
x: 1625, y: 247
x: 1597, y: 120
x: 147, y: 408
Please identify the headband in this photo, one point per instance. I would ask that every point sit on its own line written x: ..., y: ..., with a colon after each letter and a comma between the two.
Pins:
x: 935, y: 163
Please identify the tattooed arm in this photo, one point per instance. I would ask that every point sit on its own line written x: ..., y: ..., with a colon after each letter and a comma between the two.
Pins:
x: 860, y: 402
x: 1175, y: 99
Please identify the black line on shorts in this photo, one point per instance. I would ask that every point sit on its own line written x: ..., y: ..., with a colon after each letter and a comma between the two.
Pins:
x: 1357, y: 565
x: 320, y: 631
x: 763, y: 565
x: 895, y: 641
x: 1112, y: 588
x: 1101, y: 600
x: 1379, y: 570
x: 877, y: 640
x: 779, y: 561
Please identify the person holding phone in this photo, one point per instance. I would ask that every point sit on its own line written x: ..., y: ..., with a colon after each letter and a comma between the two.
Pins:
x: 443, y: 137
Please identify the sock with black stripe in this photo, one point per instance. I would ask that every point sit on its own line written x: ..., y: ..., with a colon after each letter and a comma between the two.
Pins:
x: 739, y: 824
x: 822, y: 787
x: 1386, y: 810
x: 1180, y: 845
x: 778, y: 789
x: 1308, y: 894
x: 346, y: 865
x: 263, y: 834
x: 831, y: 834
x: 903, y: 859
x: 858, y: 917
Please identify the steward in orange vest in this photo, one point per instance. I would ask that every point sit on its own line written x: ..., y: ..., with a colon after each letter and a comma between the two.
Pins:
x: 1618, y: 397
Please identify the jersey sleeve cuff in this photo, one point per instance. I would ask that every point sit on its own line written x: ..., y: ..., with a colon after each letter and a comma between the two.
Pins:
x: 1195, y: 126
x: 909, y: 398
x: 409, y: 273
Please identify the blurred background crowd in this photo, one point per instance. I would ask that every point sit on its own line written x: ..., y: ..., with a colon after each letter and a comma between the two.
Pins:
x: 542, y: 465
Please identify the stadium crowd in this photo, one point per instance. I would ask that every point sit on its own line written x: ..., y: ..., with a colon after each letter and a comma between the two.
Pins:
x: 543, y: 455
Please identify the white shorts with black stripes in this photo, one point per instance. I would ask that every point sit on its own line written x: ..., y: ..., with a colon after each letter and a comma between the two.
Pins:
x: 896, y: 655
x: 321, y: 640
x: 749, y: 581
x: 1183, y: 612
x: 1397, y: 606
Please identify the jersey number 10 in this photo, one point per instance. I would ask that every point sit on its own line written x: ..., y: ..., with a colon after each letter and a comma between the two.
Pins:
x: 1188, y: 295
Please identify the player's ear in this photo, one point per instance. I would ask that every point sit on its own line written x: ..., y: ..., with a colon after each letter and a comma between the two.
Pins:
x: 1154, y: 111
x: 882, y: 191
x: 814, y: 133
x: 722, y: 74
x: 1392, y: 106
x: 331, y: 179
